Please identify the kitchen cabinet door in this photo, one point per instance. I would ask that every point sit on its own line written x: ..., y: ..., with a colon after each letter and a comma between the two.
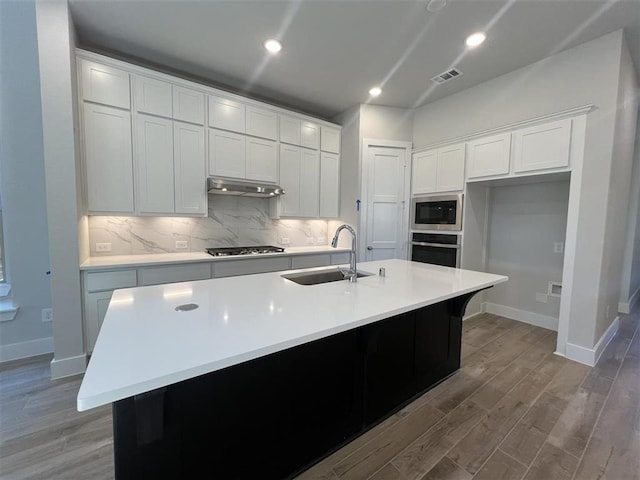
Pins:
x: 154, y: 164
x: 329, y: 185
x: 226, y: 114
x: 329, y: 139
x: 262, y: 123
x: 309, y: 183
x: 542, y: 147
x: 227, y: 154
x: 424, y: 172
x: 189, y: 168
x: 390, y: 355
x: 153, y: 96
x: 289, y: 129
x: 489, y: 156
x: 262, y: 160
x: 450, y: 169
x: 96, y: 305
x: 310, y: 135
x: 108, y: 159
x: 290, y: 180
x: 106, y: 85
x: 188, y: 105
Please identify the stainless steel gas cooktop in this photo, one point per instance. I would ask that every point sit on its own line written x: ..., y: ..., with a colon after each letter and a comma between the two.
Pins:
x: 226, y: 251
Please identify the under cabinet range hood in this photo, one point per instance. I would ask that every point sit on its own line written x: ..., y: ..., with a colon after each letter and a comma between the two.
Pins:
x: 248, y: 189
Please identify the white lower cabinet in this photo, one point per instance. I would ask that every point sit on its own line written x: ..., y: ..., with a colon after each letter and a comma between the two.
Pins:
x: 95, y: 309
x: 174, y: 273
x: 230, y: 268
x: 309, y: 261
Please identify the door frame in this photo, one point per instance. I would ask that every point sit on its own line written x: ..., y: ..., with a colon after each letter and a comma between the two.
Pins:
x: 368, y: 143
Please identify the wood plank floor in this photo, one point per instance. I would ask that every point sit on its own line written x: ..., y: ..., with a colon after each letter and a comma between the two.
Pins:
x: 513, y: 411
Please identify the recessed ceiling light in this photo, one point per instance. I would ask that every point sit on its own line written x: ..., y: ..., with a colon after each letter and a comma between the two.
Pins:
x: 272, y: 45
x: 375, y: 91
x: 436, y: 5
x: 475, y: 39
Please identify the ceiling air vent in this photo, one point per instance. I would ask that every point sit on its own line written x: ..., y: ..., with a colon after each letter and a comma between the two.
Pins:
x: 446, y: 76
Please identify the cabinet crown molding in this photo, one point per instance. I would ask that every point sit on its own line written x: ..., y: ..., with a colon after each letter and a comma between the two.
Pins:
x: 571, y: 112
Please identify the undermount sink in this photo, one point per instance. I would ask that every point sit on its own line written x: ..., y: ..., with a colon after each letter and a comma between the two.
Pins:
x: 319, y: 276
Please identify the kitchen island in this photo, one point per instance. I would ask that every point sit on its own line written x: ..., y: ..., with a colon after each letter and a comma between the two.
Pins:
x: 267, y: 376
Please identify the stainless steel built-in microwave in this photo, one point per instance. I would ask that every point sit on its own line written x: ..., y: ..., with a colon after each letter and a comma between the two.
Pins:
x: 443, y: 212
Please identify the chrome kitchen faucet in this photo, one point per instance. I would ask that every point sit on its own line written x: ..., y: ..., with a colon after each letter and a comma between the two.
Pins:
x: 352, y: 273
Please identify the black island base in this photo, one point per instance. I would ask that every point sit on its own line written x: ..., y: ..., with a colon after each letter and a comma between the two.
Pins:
x: 275, y: 416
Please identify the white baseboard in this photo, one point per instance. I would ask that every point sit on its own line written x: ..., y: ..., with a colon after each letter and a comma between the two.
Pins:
x: 16, y: 351
x: 590, y: 356
x: 524, y: 316
x: 627, y: 307
x: 471, y: 315
x: 66, y: 367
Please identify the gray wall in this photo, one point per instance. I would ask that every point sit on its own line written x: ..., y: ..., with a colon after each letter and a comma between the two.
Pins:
x: 55, y: 46
x: 618, y: 199
x: 586, y: 74
x: 631, y: 264
x: 22, y: 174
x: 387, y: 123
x: 524, y: 223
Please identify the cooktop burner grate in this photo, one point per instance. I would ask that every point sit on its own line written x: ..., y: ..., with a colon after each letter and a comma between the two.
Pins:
x: 226, y: 251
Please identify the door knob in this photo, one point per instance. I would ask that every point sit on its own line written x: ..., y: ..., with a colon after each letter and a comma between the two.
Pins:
x: 369, y: 247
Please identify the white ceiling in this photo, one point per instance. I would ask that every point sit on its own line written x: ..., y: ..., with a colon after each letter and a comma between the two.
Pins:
x: 335, y: 50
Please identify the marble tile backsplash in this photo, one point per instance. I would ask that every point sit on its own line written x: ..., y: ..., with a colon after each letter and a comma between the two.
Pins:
x: 232, y: 221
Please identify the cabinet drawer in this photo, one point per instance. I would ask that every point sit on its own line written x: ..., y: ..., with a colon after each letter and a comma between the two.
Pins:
x: 308, y: 261
x: 97, y: 281
x: 248, y: 267
x: 175, y: 273
x: 340, y: 258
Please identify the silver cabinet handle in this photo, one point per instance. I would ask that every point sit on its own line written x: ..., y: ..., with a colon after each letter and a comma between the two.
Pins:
x: 369, y: 247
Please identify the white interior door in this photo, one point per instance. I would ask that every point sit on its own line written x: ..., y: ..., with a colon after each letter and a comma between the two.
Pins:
x: 386, y: 183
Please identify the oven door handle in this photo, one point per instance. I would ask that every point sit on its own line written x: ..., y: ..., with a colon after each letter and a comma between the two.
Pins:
x: 425, y: 244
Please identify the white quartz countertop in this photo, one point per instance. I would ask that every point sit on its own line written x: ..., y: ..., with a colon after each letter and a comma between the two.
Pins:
x: 117, y: 261
x: 144, y: 343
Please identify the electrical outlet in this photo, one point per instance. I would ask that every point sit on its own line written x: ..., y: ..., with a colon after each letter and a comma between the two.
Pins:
x: 310, y: 240
x: 47, y: 315
x: 103, y: 247
x: 558, y: 247
x: 182, y: 244
x: 285, y: 241
x: 542, y: 297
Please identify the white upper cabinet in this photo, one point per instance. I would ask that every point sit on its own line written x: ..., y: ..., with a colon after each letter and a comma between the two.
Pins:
x: 227, y: 154
x: 450, y: 168
x: 106, y: 85
x: 188, y: 105
x: 330, y: 139
x: 154, y: 164
x: 289, y: 129
x: 439, y: 170
x: 424, y: 172
x: 489, y: 156
x: 226, y: 114
x: 542, y: 147
x: 153, y: 96
x: 329, y: 185
x: 290, y: 180
x: 108, y: 159
x: 261, y: 160
x: 309, y: 135
x: 189, y: 168
x: 261, y: 123
x: 309, y: 183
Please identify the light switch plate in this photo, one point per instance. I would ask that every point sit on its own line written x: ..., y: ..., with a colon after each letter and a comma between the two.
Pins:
x: 558, y: 247
x: 47, y: 314
x: 182, y: 244
x: 285, y: 241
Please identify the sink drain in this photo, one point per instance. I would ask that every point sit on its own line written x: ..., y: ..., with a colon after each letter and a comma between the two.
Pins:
x: 187, y: 307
